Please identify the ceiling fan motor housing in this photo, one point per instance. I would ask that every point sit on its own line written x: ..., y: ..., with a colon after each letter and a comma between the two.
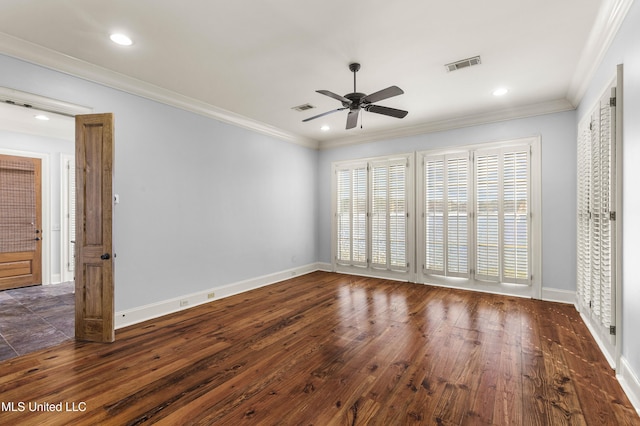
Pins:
x: 356, y: 100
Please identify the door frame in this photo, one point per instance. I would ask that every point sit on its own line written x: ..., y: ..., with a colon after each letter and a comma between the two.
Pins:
x: 65, y: 208
x: 46, y: 207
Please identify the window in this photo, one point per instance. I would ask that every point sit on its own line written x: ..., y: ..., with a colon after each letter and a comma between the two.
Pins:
x: 476, y: 223
x: 389, y: 214
x: 597, y: 231
x: 372, y: 206
x: 502, y: 214
x: 446, y: 227
x: 477, y: 213
x: 351, y: 215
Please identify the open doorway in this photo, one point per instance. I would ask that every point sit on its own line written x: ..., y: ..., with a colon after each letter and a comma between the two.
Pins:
x: 41, y: 313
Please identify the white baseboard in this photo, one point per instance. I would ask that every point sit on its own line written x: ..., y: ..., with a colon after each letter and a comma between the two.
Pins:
x: 555, y: 295
x: 629, y: 382
x: 54, y: 279
x: 165, y: 307
x: 325, y: 267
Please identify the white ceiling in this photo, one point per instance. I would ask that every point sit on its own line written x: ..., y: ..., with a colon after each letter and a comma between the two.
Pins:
x: 22, y: 120
x: 252, y: 61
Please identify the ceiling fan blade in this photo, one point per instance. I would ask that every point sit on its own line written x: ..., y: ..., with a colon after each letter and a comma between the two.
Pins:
x: 352, y: 119
x: 334, y: 96
x: 383, y: 94
x: 323, y: 114
x: 391, y: 112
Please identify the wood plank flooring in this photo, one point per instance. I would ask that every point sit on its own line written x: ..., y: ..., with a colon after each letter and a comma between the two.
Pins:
x: 329, y: 349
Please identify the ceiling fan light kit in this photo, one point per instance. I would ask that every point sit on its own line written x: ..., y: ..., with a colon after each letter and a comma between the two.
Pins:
x: 356, y: 101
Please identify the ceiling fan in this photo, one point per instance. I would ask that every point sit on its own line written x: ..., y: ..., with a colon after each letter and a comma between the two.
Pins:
x: 357, y: 101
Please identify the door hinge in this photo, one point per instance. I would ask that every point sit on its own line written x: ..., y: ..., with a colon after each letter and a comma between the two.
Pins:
x: 612, y: 102
x: 612, y: 330
x: 612, y: 215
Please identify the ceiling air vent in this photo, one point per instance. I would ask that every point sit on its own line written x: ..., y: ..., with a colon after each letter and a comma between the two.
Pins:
x: 465, y: 63
x: 303, y: 107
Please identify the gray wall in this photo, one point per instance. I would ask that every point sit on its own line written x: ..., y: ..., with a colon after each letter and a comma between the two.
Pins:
x: 202, y: 203
x: 558, y: 139
x: 626, y: 50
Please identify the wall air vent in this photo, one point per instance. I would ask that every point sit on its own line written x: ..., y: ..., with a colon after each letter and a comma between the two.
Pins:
x: 303, y: 107
x: 464, y: 63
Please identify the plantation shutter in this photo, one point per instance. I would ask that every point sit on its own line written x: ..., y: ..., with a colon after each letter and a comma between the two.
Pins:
x: 389, y: 214
x: 515, y: 195
x: 584, y: 215
x: 434, y: 205
x: 446, y: 228
x: 457, y: 197
x: 601, y: 205
x: 487, y: 178
x: 503, y: 215
x: 351, y: 215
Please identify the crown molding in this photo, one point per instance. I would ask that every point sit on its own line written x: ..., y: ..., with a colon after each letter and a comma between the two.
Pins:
x: 38, y: 55
x: 608, y: 21
x: 550, y: 107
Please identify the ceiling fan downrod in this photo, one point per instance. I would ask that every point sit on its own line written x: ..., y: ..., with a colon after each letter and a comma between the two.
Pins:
x: 354, y: 67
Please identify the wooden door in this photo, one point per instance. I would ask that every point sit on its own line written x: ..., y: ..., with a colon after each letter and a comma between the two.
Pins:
x: 94, y: 208
x: 20, y: 222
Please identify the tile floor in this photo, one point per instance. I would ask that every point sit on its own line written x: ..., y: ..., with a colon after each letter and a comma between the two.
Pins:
x: 33, y: 318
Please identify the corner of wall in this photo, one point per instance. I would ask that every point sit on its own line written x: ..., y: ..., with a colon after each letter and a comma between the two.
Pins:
x: 630, y: 383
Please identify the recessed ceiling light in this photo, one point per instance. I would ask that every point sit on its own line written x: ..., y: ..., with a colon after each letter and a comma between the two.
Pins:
x: 500, y: 92
x: 121, y: 39
x: 41, y: 117
x: 325, y: 128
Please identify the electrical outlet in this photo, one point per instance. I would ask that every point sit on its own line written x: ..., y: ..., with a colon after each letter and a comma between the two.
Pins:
x: 211, y: 295
x: 184, y: 303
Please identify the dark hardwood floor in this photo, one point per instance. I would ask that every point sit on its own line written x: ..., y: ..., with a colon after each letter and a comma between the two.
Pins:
x: 329, y: 349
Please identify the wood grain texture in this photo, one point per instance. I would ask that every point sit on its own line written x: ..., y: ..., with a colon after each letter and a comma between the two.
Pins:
x: 332, y: 349
x: 95, y: 309
x: 23, y: 267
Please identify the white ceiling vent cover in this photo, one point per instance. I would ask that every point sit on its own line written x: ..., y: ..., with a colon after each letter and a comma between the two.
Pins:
x: 303, y: 107
x: 464, y: 63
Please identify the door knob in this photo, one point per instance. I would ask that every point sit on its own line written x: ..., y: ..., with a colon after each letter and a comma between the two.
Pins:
x: 105, y: 256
